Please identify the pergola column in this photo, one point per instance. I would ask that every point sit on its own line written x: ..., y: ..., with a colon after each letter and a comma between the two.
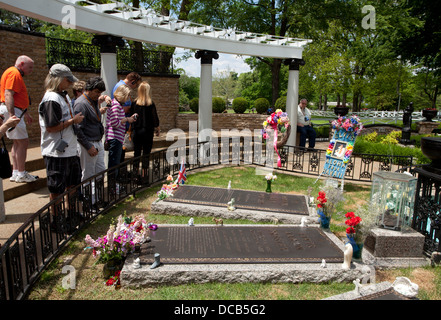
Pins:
x: 205, y: 89
x: 292, y: 97
x: 109, y: 71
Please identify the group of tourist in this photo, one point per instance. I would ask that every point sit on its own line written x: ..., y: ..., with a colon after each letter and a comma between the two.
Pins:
x: 72, y: 130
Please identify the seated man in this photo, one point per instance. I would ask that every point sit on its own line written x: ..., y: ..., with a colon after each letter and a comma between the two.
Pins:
x: 304, y: 125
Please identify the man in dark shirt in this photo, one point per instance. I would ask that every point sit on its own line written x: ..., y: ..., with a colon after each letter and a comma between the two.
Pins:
x: 91, y: 130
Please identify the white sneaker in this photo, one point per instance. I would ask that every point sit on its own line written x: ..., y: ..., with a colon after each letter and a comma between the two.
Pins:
x: 13, y: 178
x: 26, y: 178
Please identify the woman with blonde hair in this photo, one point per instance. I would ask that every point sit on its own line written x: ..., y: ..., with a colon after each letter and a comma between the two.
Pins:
x: 147, y: 122
x: 116, y: 124
x: 58, y: 132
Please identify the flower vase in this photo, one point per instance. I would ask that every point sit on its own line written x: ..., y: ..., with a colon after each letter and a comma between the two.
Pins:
x: 323, y: 219
x: 268, y: 186
x: 357, y: 246
x: 111, y: 267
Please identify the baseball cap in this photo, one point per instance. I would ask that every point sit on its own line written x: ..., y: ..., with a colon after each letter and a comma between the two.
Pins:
x: 62, y: 71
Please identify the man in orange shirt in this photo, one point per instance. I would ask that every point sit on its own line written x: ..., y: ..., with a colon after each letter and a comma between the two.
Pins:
x: 14, y: 99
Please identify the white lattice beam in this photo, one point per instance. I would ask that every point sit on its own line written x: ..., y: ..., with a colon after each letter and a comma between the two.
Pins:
x: 131, y: 23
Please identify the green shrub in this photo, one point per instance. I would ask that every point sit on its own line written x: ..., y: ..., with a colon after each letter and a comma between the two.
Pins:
x: 389, y: 140
x: 281, y: 103
x: 194, y: 105
x: 261, y: 105
x: 395, y: 134
x: 240, y: 105
x: 371, y: 137
x: 218, y: 105
x: 322, y: 131
x: 366, y: 147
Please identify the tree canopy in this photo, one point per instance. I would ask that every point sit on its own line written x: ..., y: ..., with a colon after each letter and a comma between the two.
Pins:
x: 368, y: 54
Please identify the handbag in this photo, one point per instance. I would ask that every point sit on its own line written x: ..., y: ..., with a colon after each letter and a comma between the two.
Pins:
x: 128, y: 141
x: 5, y: 162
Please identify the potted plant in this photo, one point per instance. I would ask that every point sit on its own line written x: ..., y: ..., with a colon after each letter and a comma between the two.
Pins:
x: 341, y: 111
x: 327, y: 201
x: 322, y: 210
x: 354, y: 234
x: 430, y: 113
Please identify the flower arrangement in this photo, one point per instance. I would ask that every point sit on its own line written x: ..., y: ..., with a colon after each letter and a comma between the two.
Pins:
x: 329, y: 197
x: 167, y: 189
x: 350, y: 124
x: 352, y: 222
x: 115, y: 280
x: 322, y: 202
x: 121, y: 239
x: 277, y: 122
x: 270, y: 177
x: 354, y: 234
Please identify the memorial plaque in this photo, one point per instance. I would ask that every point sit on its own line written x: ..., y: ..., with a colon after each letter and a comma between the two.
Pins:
x: 244, y: 199
x: 240, y: 244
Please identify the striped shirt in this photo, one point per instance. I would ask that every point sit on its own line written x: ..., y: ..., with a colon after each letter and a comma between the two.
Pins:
x: 115, y: 129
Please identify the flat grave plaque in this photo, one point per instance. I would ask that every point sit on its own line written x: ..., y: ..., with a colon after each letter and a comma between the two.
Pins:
x: 240, y: 244
x: 244, y: 199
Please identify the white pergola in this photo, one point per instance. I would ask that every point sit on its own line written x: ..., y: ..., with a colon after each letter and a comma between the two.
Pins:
x: 118, y: 20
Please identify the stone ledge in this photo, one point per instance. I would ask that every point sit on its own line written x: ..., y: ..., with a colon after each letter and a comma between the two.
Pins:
x: 383, y: 243
x: 182, y: 209
x: 175, y: 274
x: 236, y: 273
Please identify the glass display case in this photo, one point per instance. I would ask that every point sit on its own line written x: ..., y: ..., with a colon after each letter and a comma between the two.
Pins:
x: 394, y: 193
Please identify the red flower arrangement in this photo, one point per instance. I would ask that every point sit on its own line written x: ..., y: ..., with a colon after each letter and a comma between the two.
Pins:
x: 322, y: 199
x: 114, y: 281
x: 352, y: 222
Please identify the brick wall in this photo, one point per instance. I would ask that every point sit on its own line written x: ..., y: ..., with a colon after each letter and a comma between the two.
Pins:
x: 224, y: 121
x: 14, y: 42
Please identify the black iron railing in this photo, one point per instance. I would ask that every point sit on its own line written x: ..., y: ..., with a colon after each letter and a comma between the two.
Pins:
x: 43, y: 236
x: 86, y: 57
x: 427, y: 211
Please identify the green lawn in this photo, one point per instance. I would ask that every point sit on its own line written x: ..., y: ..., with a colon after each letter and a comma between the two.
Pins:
x: 90, y: 285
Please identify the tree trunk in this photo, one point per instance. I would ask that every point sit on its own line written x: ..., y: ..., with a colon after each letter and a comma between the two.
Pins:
x: 435, y: 95
x: 355, y: 102
x: 325, y: 103
x: 275, y: 71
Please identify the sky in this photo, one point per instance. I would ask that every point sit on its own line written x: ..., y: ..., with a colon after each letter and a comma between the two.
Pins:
x: 225, y: 62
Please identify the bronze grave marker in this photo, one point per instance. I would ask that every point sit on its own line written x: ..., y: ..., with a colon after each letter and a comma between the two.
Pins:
x: 244, y: 199
x: 240, y: 244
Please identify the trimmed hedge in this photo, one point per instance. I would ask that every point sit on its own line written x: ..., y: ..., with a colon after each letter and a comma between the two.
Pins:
x: 281, y: 103
x: 194, y: 105
x: 261, y: 105
x: 240, y: 105
x: 218, y: 105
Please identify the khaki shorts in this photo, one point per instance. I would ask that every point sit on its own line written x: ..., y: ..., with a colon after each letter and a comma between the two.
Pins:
x: 20, y: 131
